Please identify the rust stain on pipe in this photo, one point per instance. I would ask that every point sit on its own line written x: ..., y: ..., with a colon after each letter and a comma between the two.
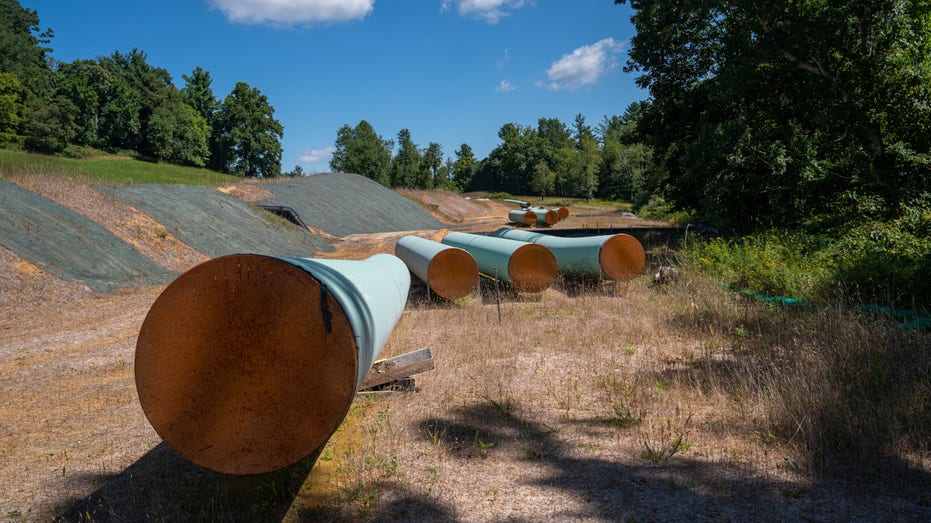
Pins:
x: 622, y: 257
x: 532, y: 268
x: 245, y: 364
x: 452, y: 273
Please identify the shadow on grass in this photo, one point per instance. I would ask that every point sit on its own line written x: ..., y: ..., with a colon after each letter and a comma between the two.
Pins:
x: 163, y: 486
x: 680, y: 489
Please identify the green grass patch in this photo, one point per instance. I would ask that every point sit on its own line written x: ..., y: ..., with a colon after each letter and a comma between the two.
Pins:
x: 877, y: 261
x: 108, y: 169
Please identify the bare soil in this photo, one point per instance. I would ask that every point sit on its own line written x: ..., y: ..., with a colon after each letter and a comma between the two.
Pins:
x: 509, y: 427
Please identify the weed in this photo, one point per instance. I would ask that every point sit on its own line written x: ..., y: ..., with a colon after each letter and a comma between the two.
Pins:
x: 363, y: 496
x: 668, y: 441
x: 483, y: 446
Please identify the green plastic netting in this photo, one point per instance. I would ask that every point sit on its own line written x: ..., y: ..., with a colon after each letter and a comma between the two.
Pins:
x: 62, y: 242
x: 217, y: 224
x: 343, y: 204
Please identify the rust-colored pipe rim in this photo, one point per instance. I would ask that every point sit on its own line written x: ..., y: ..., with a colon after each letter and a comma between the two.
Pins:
x: 621, y: 257
x: 532, y: 268
x: 245, y: 364
x: 452, y: 273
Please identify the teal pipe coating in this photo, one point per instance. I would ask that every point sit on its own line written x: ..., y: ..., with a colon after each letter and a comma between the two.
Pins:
x: 450, y: 272
x: 544, y: 216
x: 562, y: 212
x: 373, y: 293
x: 617, y: 257
x: 523, y: 217
x: 527, y: 266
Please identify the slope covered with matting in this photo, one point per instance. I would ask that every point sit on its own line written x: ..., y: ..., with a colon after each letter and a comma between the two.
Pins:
x: 69, y: 245
x: 343, y: 204
x: 217, y: 224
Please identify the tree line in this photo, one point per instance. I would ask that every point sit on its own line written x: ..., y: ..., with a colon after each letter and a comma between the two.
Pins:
x: 787, y: 114
x: 122, y: 103
x: 550, y: 159
x: 759, y: 115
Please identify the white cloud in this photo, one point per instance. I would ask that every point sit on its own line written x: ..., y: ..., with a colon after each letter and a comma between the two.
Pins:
x: 291, y: 12
x: 489, y: 10
x: 505, y: 87
x: 503, y: 61
x: 584, y: 66
x: 318, y: 155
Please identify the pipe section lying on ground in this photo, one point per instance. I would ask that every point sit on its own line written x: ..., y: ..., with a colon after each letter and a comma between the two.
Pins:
x: 523, y: 217
x: 545, y: 216
x: 247, y: 364
x: 617, y: 257
x: 527, y: 266
x: 561, y: 212
x: 450, y: 272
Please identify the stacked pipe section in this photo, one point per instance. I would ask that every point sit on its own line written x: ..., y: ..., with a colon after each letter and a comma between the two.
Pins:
x: 562, y: 212
x: 247, y: 364
x: 543, y: 215
x: 617, y: 257
x: 450, y: 272
x: 522, y: 217
x: 528, y: 267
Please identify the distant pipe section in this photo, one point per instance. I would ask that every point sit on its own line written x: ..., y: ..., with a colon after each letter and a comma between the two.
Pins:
x: 527, y: 266
x: 450, y: 272
x: 523, y: 217
x: 246, y: 364
x: 545, y: 216
x: 562, y: 212
x: 617, y: 257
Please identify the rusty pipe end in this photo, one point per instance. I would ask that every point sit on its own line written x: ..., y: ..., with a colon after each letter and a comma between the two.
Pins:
x: 245, y: 365
x: 532, y: 268
x: 621, y: 257
x: 452, y: 273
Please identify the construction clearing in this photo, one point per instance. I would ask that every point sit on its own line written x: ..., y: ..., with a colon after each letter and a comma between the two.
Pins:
x: 557, y: 399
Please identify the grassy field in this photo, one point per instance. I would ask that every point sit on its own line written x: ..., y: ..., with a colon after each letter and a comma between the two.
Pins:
x: 109, y: 169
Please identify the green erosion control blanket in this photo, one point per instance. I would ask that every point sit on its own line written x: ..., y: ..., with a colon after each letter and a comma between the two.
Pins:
x: 217, y: 224
x: 69, y: 245
x: 343, y: 204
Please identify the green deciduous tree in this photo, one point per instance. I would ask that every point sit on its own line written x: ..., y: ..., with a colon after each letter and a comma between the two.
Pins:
x: 767, y: 113
x: 463, y: 167
x: 431, y: 175
x: 22, y: 50
x: 11, y: 106
x: 360, y: 150
x: 249, y: 136
x: 407, y: 164
x: 178, y: 134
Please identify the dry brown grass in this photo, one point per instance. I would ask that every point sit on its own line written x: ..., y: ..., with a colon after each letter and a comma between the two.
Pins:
x: 585, y: 403
x: 648, y: 404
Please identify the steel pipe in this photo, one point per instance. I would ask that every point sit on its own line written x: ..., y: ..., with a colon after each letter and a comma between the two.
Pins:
x: 523, y: 216
x: 527, y: 266
x: 450, y: 272
x: 617, y: 257
x: 562, y: 212
x: 544, y: 216
x: 247, y: 364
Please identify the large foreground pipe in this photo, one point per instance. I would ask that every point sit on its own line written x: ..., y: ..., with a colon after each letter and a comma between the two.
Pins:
x: 617, y: 257
x: 247, y: 364
x: 449, y: 271
x: 527, y: 266
x: 523, y: 217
